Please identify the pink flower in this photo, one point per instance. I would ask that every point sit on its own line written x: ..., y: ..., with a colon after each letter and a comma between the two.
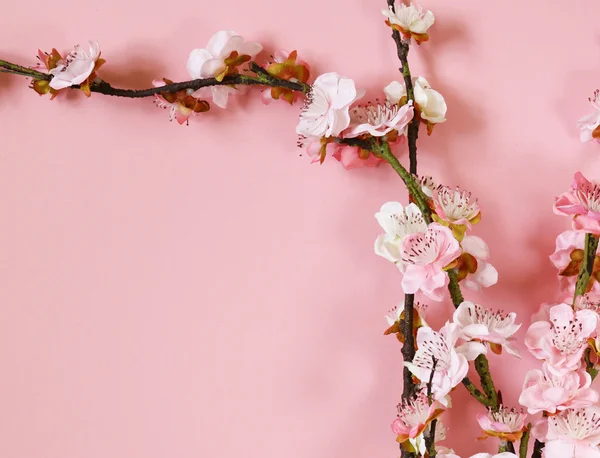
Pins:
x: 545, y: 391
x: 562, y: 341
x: 451, y: 361
x: 327, y: 112
x: 507, y: 424
x: 574, y: 433
x: 77, y: 67
x: 413, y: 419
x: 499, y: 455
x: 425, y: 256
x: 398, y: 222
x: 589, y: 126
x: 379, y: 119
x: 484, y: 274
x: 317, y: 149
x: 567, y: 258
x: 352, y: 157
x: 181, y: 105
x: 583, y: 202
x: 456, y: 209
x: 481, y: 324
x: 224, y: 53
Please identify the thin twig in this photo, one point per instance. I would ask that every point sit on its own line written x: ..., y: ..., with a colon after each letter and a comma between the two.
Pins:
x: 475, y: 392
x: 524, y: 444
x: 430, y: 436
x: 408, y: 348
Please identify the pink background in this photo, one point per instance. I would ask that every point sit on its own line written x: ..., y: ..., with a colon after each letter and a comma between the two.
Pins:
x: 203, y: 291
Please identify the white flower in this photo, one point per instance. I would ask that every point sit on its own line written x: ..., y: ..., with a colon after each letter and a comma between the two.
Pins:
x: 379, y: 119
x: 486, y: 274
x: 224, y: 52
x: 327, y: 112
x: 451, y: 362
x: 77, y: 66
x: 410, y: 21
x: 430, y: 102
x: 589, y: 126
x: 482, y: 324
x: 395, y: 91
x: 397, y: 222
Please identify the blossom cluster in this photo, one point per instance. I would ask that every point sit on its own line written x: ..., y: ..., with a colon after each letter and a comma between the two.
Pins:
x: 423, y: 252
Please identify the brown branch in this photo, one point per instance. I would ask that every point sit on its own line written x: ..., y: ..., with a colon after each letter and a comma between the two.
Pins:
x: 262, y: 78
x: 408, y: 348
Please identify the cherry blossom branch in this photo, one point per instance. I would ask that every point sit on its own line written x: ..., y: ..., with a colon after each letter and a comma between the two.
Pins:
x: 483, y: 369
x: 587, y: 266
x: 262, y: 78
x: 524, y: 444
x: 471, y: 388
x: 430, y: 437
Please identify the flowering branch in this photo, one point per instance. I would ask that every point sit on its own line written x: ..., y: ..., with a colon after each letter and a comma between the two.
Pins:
x: 262, y: 78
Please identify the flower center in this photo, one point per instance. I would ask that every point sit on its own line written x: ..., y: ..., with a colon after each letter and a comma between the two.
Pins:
x: 576, y: 423
x: 567, y: 336
x: 457, y: 204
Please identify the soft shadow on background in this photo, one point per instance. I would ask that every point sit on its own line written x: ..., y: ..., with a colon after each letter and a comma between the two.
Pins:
x: 204, y: 290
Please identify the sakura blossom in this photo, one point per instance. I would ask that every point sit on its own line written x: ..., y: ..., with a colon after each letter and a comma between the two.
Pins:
x: 397, y: 222
x: 414, y: 417
x: 430, y: 104
x: 456, y: 209
x: 506, y: 424
x: 224, y: 53
x: 425, y: 256
x: 379, y: 119
x: 451, y: 361
x: 326, y: 113
x: 589, y: 126
x: 573, y: 433
x: 428, y: 185
x: 474, y: 270
x: 498, y: 455
x: 546, y: 391
x: 495, y: 328
x: 562, y: 340
x: 410, y: 21
x: 582, y: 202
x: 181, y: 105
x: 287, y: 66
x: 77, y: 67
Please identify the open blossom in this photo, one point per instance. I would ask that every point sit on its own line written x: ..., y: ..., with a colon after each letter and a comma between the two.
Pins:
x: 507, y: 424
x: 574, y: 433
x: 495, y: 328
x: 224, y: 53
x: 397, y: 222
x: 327, y: 112
x: 451, y: 361
x: 430, y: 104
x: 545, y: 391
x: 77, y: 67
x: 410, y: 21
x: 379, y: 119
x: 456, y: 209
x: 414, y: 417
x: 582, y: 202
x: 589, y: 126
x: 181, y: 104
x: 562, y: 340
x: 474, y: 270
x: 287, y: 66
x: 425, y: 256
